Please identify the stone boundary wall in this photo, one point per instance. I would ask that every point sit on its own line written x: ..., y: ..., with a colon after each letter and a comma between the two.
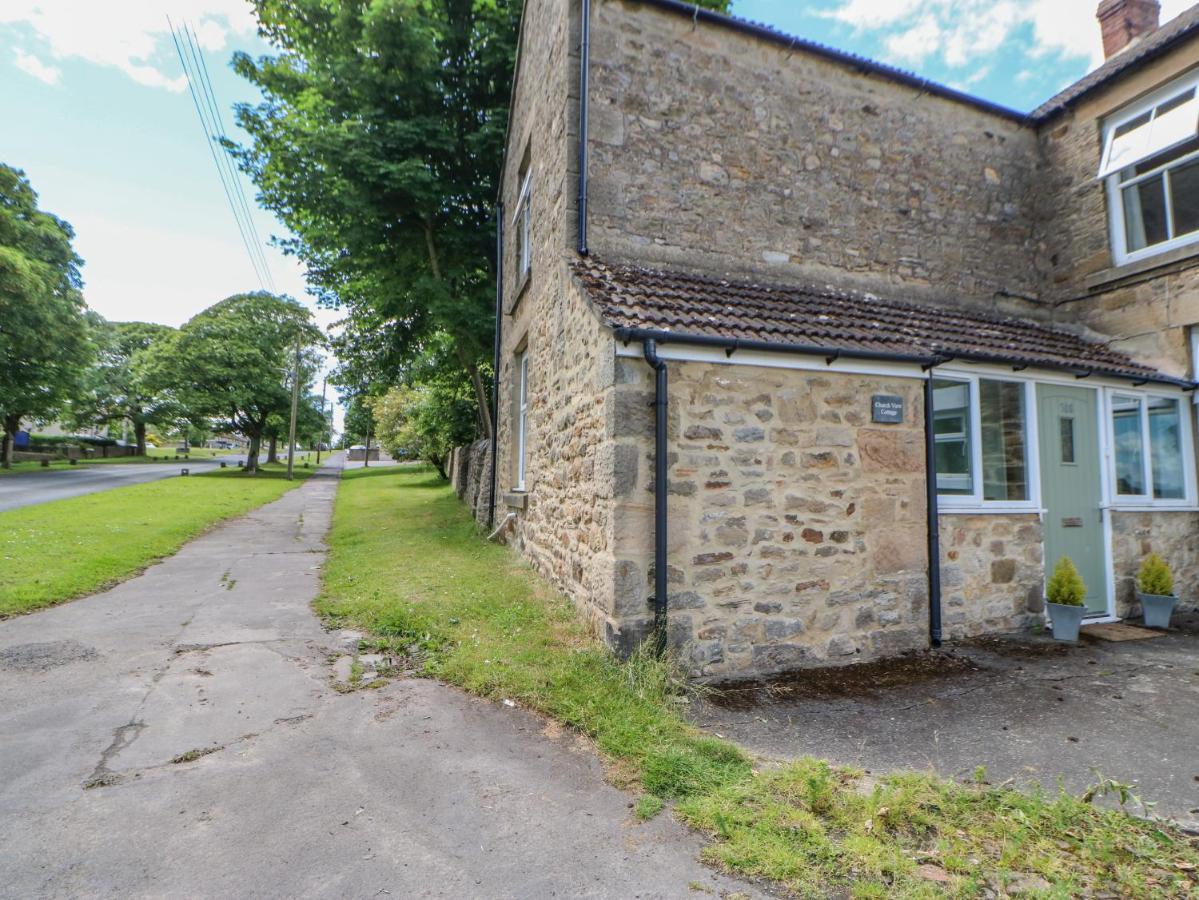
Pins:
x: 469, y: 468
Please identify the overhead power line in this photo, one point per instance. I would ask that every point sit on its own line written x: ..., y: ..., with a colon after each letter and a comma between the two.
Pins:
x: 208, y: 112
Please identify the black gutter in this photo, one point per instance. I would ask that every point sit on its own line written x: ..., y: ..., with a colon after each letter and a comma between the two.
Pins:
x: 584, y: 90
x: 932, y: 518
x: 660, y: 598
x: 495, y: 370
x: 732, y: 345
x: 860, y: 63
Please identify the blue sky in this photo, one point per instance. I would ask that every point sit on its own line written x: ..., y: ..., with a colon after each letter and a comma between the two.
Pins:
x: 97, y: 114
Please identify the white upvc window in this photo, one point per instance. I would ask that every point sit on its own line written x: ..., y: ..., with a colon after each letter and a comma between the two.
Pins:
x: 522, y: 221
x: 984, y: 432
x: 522, y: 418
x: 1151, y: 164
x: 1151, y: 457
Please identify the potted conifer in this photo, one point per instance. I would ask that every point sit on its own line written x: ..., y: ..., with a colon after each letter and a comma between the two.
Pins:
x: 1155, y: 592
x: 1065, y: 592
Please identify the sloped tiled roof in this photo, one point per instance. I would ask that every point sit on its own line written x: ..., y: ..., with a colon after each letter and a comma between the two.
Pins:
x: 1144, y: 50
x: 641, y: 299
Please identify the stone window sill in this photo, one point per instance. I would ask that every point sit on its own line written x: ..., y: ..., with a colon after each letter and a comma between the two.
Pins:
x: 1178, y: 258
x: 516, y: 499
x: 990, y: 510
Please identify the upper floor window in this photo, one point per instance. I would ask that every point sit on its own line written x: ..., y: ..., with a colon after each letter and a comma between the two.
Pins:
x: 1151, y: 163
x: 522, y: 220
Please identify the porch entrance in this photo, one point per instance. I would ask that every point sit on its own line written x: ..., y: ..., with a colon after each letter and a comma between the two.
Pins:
x: 1068, y: 424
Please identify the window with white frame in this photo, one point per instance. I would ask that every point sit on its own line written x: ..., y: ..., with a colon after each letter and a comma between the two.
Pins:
x: 1151, y: 164
x: 522, y: 417
x: 522, y: 220
x: 1150, y: 440
x: 981, y: 440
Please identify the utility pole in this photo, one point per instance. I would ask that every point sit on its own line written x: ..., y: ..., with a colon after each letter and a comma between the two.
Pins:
x: 320, y: 440
x: 295, y: 405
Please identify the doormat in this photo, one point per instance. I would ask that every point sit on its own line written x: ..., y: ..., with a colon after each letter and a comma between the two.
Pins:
x: 1118, y: 631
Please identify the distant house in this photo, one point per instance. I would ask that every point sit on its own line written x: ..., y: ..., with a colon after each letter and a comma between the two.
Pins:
x: 862, y: 303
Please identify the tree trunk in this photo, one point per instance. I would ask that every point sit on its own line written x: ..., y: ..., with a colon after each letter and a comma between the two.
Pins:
x: 483, y: 400
x: 439, y: 465
x: 366, y: 457
x: 272, y: 455
x: 12, y: 424
x: 139, y: 435
x: 252, y: 453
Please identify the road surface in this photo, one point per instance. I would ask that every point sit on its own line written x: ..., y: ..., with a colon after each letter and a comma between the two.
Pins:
x: 179, y: 735
x: 42, y: 486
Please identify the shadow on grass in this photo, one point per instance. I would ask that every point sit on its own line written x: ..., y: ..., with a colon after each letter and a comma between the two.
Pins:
x: 431, y: 479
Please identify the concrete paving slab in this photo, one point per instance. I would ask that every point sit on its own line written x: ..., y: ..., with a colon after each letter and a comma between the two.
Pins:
x: 180, y: 736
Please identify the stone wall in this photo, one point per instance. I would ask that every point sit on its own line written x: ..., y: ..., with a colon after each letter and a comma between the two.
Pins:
x: 992, y: 573
x: 797, y: 532
x: 469, y: 469
x: 803, y: 167
x: 1172, y: 535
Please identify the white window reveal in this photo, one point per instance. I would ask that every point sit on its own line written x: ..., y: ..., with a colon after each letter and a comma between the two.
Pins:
x: 981, y: 433
x: 1151, y: 452
x: 522, y: 419
x: 1151, y: 163
x: 523, y: 222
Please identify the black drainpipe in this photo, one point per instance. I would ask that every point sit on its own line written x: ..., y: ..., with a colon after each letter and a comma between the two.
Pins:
x: 658, y: 364
x: 934, y: 531
x: 584, y: 78
x: 495, y: 371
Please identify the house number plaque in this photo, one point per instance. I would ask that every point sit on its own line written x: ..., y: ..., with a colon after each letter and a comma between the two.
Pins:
x: 886, y: 408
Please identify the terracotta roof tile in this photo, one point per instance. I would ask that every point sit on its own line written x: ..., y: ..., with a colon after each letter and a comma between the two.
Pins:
x: 635, y: 298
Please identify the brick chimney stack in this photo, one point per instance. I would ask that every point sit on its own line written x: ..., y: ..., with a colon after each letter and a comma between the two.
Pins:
x: 1124, y: 22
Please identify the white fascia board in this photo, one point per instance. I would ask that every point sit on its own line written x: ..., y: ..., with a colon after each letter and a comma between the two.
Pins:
x: 771, y: 360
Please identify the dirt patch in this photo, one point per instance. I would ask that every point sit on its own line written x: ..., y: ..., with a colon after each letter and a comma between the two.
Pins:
x: 1017, y: 646
x: 41, y: 656
x: 860, y: 680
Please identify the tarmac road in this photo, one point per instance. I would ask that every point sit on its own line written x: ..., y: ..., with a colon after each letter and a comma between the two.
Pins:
x: 42, y: 486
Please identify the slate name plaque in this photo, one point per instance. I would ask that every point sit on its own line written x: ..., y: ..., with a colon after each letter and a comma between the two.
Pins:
x: 886, y: 408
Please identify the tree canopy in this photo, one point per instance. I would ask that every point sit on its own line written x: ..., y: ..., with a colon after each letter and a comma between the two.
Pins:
x: 44, y: 342
x: 378, y: 143
x: 232, y: 364
x: 120, y: 386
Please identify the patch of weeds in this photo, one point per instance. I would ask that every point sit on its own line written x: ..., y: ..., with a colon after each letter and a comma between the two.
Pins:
x: 356, y: 670
x: 193, y: 755
x: 647, y: 807
x: 408, y: 566
x: 104, y: 779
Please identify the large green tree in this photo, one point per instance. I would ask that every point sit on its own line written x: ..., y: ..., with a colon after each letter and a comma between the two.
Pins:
x: 120, y: 386
x: 44, y: 343
x: 232, y: 364
x: 378, y: 143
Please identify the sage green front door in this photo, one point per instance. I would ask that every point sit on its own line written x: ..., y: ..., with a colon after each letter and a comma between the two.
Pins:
x: 1067, y: 419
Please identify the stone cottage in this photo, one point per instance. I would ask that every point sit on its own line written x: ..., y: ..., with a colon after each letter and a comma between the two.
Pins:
x: 806, y: 360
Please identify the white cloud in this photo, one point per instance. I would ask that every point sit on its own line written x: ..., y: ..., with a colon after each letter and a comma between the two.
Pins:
x: 960, y: 32
x: 130, y: 35
x: 31, y: 65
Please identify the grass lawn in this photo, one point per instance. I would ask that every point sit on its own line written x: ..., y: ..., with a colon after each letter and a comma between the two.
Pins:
x: 407, y: 565
x: 67, y: 548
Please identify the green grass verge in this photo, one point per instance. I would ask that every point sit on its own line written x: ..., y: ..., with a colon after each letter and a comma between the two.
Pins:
x: 407, y: 565
x: 67, y: 548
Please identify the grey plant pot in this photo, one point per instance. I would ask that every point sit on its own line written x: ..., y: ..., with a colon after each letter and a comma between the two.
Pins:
x: 1065, y: 620
x: 1156, y: 609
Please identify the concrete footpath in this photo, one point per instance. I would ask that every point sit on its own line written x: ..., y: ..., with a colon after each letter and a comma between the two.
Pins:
x: 179, y: 735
